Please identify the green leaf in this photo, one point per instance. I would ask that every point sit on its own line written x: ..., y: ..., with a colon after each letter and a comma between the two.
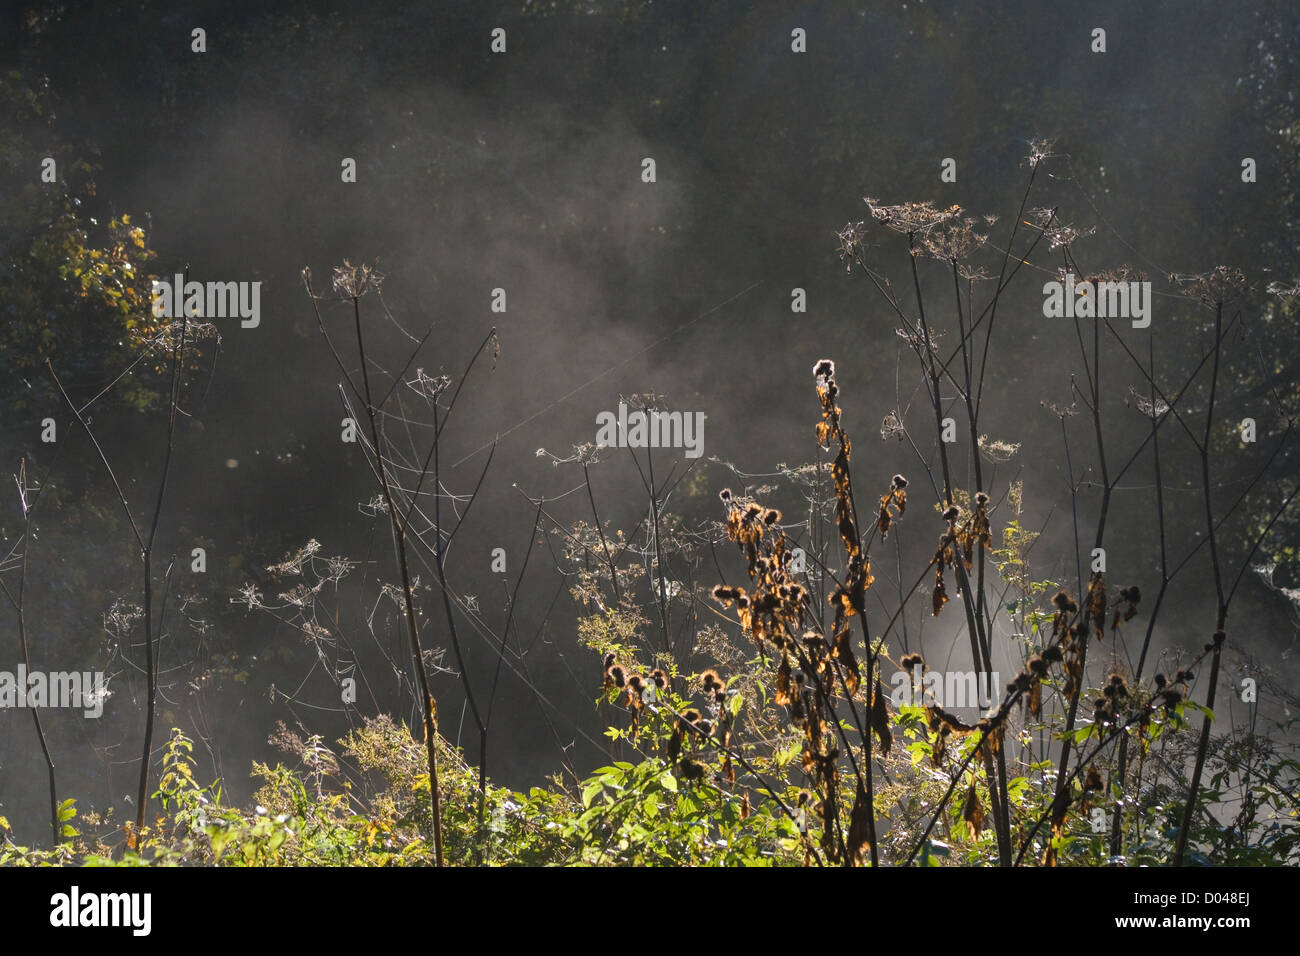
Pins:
x: 668, y: 781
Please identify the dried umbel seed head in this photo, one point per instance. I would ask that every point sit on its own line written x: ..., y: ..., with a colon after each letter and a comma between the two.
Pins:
x: 691, y: 716
x: 636, y: 682
x: 1037, y: 666
x: 1132, y: 594
x: 618, y: 676
x: 911, y: 661
x: 1064, y: 602
x: 899, y: 482
x: 706, y: 727
x: 660, y: 677
x: 723, y: 593
x: 609, y: 660
x: 824, y: 368
x: 710, y: 680
x: 1159, y: 681
x: 752, y: 511
x: 981, y: 499
x: 1022, y: 682
x: 1052, y: 654
x: 952, y: 513
x: 1116, y: 680
x: 771, y: 517
x: 725, y: 495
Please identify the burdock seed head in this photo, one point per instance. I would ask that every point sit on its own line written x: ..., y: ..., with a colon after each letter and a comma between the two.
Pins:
x: 1064, y: 603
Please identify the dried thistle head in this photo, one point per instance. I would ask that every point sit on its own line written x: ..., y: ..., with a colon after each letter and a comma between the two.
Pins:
x: 1064, y: 603
x: 710, y: 681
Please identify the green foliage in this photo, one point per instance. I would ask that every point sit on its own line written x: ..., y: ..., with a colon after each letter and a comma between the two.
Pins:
x: 647, y: 815
x: 76, y: 291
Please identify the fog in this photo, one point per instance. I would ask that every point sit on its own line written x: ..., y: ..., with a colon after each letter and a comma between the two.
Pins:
x: 522, y: 172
